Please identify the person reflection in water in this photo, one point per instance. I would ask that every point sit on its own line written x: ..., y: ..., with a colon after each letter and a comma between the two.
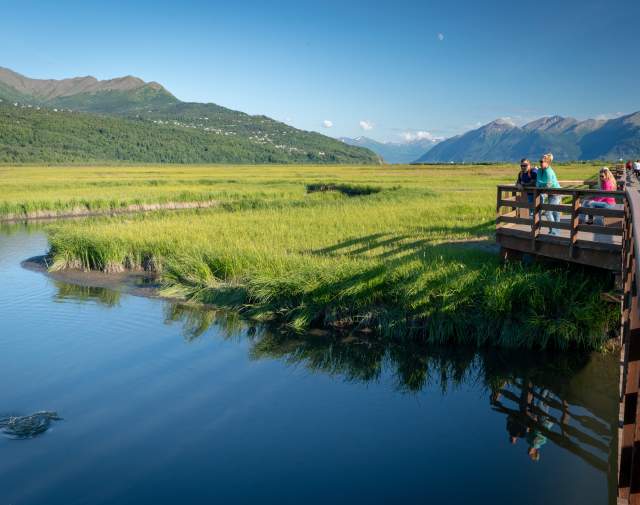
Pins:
x: 516, y: 422
x: 531, y: 420
x: 535, y: 438
x: 516, y: 428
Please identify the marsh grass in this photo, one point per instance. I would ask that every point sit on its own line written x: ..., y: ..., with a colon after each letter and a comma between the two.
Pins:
x: 411, y: 260
x: 345, y: 189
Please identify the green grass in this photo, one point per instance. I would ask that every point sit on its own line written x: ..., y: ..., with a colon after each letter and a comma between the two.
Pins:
x: 405, y: 252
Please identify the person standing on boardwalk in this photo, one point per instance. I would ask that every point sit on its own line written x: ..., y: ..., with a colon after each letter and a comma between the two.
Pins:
x: 547, y: 179
x: 527, y: 179
x: 527, y: 175
x: 636, y: 167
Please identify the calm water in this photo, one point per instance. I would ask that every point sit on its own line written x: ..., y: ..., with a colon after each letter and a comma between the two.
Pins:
x: 164, y: 406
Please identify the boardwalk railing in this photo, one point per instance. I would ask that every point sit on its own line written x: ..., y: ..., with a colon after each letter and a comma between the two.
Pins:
x: 525, y: 224
x: 611, y: 242
x: 629, y: 433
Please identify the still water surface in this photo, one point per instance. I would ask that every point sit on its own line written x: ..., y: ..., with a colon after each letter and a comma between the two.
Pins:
x: 164, y: 405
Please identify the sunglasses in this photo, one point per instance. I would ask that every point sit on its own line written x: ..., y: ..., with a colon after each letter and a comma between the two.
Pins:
x: 524, y: 166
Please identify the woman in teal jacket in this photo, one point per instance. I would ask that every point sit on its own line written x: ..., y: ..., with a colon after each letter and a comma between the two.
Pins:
x: 547, y: 179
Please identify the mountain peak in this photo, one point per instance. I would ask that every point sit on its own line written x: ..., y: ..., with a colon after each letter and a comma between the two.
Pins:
x: 500, y: 125
x: 48, y: 89
x: 506, y: 121
x: 566, y: 137
x: 551, y: 123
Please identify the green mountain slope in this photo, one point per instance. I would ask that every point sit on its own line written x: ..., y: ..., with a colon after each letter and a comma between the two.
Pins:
x: 199, y: 132
x: 117, y: 102
x: 31, y: 135
x: 9, y: 94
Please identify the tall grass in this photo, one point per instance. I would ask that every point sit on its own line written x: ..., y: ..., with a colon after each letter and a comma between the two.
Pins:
x: 26, y: 190
x: 414, y: 261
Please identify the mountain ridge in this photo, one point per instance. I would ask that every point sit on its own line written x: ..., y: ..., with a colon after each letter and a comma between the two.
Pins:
x: 566, y: 137
x: 48, y: 89
x: 257, y: 138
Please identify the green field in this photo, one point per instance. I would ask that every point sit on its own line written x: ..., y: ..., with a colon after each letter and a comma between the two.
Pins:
x: 396, y: 251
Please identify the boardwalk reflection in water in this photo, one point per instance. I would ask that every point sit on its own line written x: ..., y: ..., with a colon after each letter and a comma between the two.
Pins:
x: 560, y: 399
x: 540, y: 394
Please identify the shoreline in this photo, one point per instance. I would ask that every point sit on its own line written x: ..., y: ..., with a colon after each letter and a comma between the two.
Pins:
x: 143, y: 283
x: 84, y: 212
x: 137, y: 283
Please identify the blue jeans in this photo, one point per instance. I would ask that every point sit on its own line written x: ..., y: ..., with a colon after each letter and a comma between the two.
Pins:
x: 595, y: 205
x: 553, y: 215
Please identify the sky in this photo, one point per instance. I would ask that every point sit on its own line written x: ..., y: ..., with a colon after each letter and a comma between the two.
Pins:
x: 390, y: 70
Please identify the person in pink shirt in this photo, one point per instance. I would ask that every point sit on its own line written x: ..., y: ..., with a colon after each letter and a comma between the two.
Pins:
x: 607, y: 183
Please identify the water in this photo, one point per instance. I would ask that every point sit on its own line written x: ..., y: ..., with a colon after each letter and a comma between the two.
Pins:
x: 164, y: 405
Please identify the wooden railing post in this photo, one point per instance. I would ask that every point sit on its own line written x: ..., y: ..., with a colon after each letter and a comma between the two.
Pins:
x: 575, y: 218
x: 535, y: 224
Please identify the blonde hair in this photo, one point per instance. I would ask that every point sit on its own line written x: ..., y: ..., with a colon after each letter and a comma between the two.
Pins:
x: 548, y: 158
x: 607, y: 173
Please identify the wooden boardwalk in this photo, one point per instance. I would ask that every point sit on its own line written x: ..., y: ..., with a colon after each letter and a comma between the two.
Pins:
x: 523, y: 226
x: 612, y: 243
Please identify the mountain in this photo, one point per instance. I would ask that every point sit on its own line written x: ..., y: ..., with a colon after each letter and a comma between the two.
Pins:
x: 32, y: 134
x: 616, y: 139
x: 134, y: 104
x: 394, y: 152
x: 567, y: 138
x: 50, y: 89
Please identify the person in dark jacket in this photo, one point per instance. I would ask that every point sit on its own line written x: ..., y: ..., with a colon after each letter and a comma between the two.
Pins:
x: 527, y: 179
x: 527, y: 175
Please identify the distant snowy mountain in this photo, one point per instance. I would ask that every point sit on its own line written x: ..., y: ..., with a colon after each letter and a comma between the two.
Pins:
x: 394, y: 152
x: 566, y: 138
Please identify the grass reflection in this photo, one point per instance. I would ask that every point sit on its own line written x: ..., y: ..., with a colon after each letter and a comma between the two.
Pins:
x: 566, y: 398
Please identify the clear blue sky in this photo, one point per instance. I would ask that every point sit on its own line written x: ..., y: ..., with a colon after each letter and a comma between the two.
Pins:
x: 398, y: 66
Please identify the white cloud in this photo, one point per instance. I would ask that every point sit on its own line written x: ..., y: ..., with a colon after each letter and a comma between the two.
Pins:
x: 419, y: 135
x: 507, y: 119
x: 610, y: 115
x: 327, y: 123
x: 441, y: 37
x: 366, y: 125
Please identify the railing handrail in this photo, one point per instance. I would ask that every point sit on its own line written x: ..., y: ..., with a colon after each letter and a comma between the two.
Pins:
x: 563, y: 191
x: 629, y: 376
x: 633, y: 197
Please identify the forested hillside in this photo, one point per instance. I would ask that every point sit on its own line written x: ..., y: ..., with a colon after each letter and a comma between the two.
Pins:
x: 127, y: 119
x: 32, y: 134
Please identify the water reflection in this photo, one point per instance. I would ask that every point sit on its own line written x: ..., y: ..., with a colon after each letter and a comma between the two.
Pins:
x: 397, y: 423
x: 541, y: 396
x: 106, y: 297
x: 536, y: 415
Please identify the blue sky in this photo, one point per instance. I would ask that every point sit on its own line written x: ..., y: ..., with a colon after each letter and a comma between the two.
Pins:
x: 385, y: 69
